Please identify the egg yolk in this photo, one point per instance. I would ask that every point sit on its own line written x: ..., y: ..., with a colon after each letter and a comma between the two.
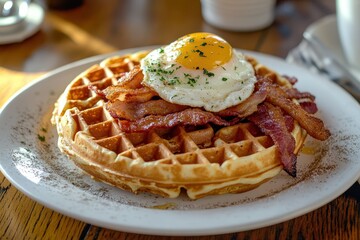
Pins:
x: 203, y: 51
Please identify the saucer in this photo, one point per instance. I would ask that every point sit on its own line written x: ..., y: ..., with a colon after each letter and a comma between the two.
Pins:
x: 31, y: 25
x: 325, y: 31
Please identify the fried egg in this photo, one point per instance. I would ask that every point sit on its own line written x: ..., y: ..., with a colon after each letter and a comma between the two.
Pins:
x: 199, y: 70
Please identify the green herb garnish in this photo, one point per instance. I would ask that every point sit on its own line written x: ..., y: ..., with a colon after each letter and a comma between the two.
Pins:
x: 201, y: 53
x: 207, y: 73
x: 41, y: 138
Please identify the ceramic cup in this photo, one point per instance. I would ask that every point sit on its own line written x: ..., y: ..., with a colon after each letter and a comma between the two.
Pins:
x: 238, y: 15
x: 348, y: 20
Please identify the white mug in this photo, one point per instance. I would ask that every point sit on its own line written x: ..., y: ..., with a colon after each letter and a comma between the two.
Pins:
x: 238, y: 15
x: 348, y: 20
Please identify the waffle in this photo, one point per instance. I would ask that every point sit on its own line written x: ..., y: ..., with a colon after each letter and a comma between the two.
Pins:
x: 201, y: 161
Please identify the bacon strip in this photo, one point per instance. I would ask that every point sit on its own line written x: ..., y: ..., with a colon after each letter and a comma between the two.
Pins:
x: 96, y: 90
x: 191, y: 116
x: 131, y: 79
x: 292, y: 80
x: 295, y: 93
x: 129, y: 95
x: 271, y: 121
x: 309, y: 107
x: 136, y: 110
x: 289, y: 121
x: 248, y: 106
x: 129, y: 88
x: 314, y: 126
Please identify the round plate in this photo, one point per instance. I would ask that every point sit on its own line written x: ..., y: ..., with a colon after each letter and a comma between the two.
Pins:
x: 32, y: 162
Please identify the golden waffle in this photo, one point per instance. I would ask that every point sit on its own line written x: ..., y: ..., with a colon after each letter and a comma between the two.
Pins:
x: 202, y: 161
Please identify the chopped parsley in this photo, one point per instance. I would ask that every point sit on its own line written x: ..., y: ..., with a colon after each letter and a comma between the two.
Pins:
x: 207, y: 73
x: 201, y: 53
x: 174, y: 81
x: 191, y: 81
x: 224, y: 79
x: 41, y: 138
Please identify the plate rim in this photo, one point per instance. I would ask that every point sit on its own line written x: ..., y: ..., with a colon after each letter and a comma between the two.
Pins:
x: 151, y: 230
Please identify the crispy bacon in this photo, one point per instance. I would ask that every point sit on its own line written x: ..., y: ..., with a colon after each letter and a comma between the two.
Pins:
x: 96, y: 90
x: 271, y: 107
x: 248, y: 106
x: 289, y: 121
x: 296, y: 94
x: 314, y: 126
x: 309, y: 107
x: 129, y: 88
x: 306, y: 99
x: 191, y: 116
x: 129, y: 95
x: 271, y: 121
x: 131, y: 79
x: 291, y: 80
x: 137, y: 110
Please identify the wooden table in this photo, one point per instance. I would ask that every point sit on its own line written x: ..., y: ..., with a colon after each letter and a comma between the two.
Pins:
x: 99, y: 27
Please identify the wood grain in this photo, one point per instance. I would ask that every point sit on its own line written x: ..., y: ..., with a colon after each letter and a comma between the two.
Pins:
x: 12, y: 81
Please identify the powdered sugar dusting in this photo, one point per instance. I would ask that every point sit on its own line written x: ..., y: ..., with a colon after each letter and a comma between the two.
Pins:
x: 31, y: 160
x: 38, y: 158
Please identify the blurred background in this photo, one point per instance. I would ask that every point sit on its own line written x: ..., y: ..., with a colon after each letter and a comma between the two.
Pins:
x: 92, y: 27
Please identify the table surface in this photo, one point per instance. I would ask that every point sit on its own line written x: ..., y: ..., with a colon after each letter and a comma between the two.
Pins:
x: 97, y: 28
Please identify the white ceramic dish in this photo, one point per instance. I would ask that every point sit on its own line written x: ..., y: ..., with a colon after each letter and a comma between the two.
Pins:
x: 238, y: 15
x: 326, y: 31
x: 30, y: 26
x: 32, y: 162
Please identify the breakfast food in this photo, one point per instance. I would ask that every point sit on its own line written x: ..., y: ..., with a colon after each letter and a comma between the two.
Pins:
x: 194, y: 115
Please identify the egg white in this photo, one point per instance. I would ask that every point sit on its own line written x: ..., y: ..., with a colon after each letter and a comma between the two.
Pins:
x: 214, y: 90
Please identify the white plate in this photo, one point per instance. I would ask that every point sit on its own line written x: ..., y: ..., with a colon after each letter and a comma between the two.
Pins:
x: 326, y: 31
x: 38, y: 169
x: 30, y: 26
